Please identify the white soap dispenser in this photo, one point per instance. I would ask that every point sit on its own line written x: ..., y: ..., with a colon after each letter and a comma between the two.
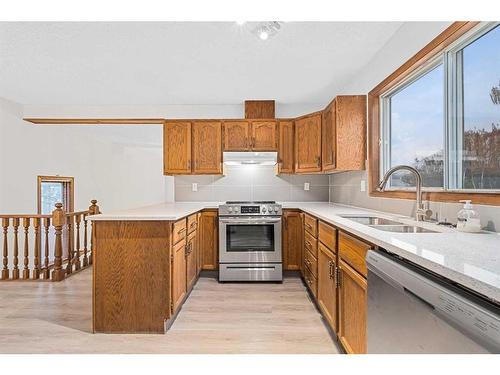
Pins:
x: 468, y: 219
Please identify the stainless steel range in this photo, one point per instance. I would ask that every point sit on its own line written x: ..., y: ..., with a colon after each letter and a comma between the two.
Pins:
x: 250, y: 241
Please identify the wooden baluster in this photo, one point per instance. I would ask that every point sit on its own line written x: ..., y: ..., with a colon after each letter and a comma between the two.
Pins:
x: 94, y: 210
x: 15, y: 271
x: 26, y: 269
x: 77, y: 251
x: 36, y: 260
x: 58, y: 219
x: 85, y: 258
x: 46, y: 272
x: 69, y: 222
x: 5, y: 270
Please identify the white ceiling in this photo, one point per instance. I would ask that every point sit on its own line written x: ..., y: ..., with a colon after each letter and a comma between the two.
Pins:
x: 162, y: 63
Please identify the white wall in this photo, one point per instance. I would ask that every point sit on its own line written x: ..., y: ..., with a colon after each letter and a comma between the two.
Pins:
x: 120, y: 166
x: 410, y: 38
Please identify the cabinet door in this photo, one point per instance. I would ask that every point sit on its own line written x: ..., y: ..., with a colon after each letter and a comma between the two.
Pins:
x: 177, y: 148
x: 351, y: 132
x: 199, y: 257
x: 308, y: 144
x: 285, y: 149
x: 209, y: 240
x: 207, y: 147
x: 236, y: 135
x: 264, y: 136
x: 327, y: 291
x: 292, y: 240
x: 328, y: 138
x: 191, y: 261
x: 302, y: 247
x: 178, y: 274
x: 352, y: 309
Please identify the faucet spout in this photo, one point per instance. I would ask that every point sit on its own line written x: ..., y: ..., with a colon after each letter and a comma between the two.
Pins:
x: 420, y: 213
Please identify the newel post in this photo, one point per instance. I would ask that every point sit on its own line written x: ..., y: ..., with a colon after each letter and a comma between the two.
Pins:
x: 58, y: 220
x: 93, y: 210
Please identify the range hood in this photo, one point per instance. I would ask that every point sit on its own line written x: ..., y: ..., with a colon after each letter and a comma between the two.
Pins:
x: 250, y: 158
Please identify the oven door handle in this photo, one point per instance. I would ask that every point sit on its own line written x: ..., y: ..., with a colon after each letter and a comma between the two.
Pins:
x: 243, y: 222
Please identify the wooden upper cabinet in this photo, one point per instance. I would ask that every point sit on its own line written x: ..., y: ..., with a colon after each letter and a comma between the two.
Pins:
x: 308, y: 144
x: 285, y: 149
x: 264, y: 136
x: 177, y: 148
x: 350, y: 129
x: 329, y: 139
x: 207, y: 147
x: 236, y: 135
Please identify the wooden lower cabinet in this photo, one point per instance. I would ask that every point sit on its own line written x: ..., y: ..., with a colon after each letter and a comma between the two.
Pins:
x: 327, y: 290
x: 352, y: 309
x: 178, y: 276
x: 292, y: 240
x: 209, y: 240
x: 191, y: 261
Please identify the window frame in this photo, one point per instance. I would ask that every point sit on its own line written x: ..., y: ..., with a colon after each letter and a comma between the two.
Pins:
x: 442, y: 48
x: 69, y: 190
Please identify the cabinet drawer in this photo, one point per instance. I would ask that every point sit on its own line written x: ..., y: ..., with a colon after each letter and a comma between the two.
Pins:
x: 311, y: 263
x: 353, y: 252
x: 311, y: 282
x: 311, y: 244
x: 327, y: 236
x: 179, y: 231
x: 192, y: 223
x: 311, y: 225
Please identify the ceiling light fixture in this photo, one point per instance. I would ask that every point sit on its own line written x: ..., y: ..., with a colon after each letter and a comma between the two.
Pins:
x: 266, y: 30
x: 263, y: 35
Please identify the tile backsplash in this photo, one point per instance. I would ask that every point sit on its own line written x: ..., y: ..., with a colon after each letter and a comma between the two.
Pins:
x: 345, y: 188
x: 252, y: 182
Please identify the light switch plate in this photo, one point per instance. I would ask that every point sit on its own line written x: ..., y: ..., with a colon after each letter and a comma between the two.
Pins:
x: 194, y: 186
x: 362, y: 186
x: 306, y: 186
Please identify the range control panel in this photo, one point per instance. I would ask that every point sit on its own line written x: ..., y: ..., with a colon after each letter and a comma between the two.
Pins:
x: 263, y: 209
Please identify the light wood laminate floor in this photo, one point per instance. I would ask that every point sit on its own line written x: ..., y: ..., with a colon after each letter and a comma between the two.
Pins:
x: 47, y: 317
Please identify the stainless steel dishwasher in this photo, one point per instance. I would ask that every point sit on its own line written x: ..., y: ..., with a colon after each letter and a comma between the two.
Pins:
x: 411, y: 310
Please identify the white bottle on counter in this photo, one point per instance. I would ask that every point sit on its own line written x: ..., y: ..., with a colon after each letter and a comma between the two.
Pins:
x: 468, y: 219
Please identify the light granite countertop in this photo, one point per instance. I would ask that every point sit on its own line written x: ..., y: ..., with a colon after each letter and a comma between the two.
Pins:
x: 469, y: 259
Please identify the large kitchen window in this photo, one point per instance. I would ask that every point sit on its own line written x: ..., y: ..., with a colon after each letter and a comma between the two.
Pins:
x: 443, y: 118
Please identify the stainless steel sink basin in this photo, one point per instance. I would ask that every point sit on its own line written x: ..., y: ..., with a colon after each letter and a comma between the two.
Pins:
x: 403, y: 229
x: 372, y: 220
x: 387, y: 225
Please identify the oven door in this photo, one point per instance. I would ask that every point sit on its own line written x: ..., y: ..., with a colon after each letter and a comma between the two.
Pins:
x: 250, y: 239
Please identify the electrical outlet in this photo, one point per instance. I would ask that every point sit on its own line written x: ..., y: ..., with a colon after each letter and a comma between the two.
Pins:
x: 194, y: 186
x: 362, y: 186
x: 306, y: 186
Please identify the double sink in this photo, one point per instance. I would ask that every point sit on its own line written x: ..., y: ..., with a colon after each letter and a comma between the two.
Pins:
x: 387, y: 225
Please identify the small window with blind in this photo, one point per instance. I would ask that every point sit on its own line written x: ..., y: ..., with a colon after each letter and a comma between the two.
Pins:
x: 55, y: 189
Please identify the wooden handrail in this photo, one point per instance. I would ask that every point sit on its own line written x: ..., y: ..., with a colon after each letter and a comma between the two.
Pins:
x: 24, y: 216
x: 46, y: 243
